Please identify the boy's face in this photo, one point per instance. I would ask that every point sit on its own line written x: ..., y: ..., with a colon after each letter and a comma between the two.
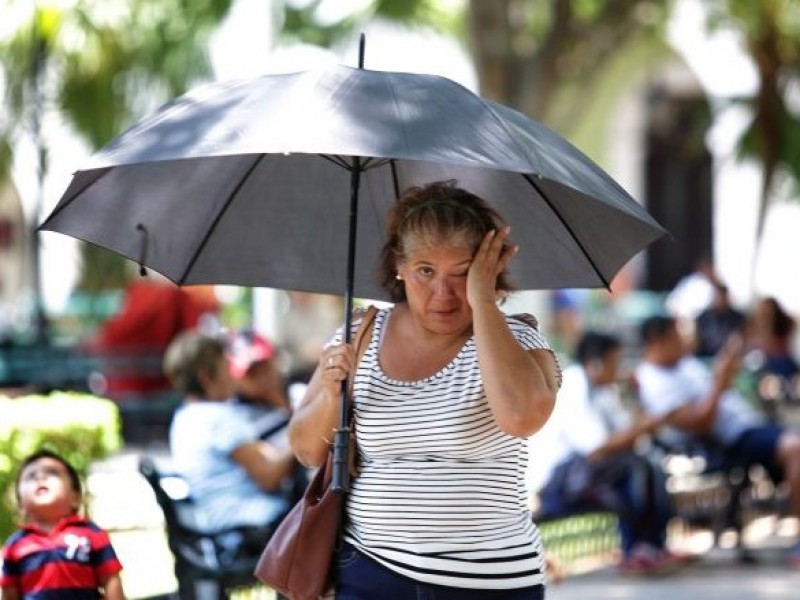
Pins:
x: 45, y: 491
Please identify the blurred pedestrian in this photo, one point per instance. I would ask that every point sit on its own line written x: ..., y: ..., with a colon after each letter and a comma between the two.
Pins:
x: 715, y: 324
x: 693, y: 293
x: 590, y: 444
x: 262, y: 395
x: 130, y: 345
x: 772, y: 338
x: 57, y: 553
x: 261, y: 386
x: 703, y: 407
x: 234, y: 477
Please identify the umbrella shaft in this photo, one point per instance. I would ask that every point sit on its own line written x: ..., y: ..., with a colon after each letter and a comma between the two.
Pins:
x: 341, y: 444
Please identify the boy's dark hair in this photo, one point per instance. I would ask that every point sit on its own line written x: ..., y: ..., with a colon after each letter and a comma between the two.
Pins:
x: 595, y: 345
x: 655, y: 328
x: 74, y: 479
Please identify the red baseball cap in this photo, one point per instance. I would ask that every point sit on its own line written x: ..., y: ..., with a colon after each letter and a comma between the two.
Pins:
x: 246, y: 348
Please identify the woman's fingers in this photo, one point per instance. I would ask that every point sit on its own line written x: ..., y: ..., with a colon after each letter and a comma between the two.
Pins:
x: 494, y: 250
x: 507, y: 254
x: 336, y: 362
x: 489, y: 262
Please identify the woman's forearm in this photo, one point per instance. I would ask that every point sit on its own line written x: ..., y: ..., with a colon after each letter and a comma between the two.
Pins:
x: 311, y: 428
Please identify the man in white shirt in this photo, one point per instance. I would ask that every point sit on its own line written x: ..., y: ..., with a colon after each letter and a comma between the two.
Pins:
x: 589, y: 444
x: 701, y: 406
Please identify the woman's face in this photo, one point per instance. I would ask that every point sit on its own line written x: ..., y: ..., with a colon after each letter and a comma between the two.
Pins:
x: 435, y: 279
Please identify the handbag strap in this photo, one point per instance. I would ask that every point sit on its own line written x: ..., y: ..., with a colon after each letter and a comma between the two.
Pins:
x: 360, y: 343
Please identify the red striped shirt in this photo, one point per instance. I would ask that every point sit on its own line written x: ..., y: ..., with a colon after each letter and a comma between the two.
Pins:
x: 73, y: 560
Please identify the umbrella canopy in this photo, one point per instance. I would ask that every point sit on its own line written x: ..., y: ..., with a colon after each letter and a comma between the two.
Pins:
x: 250, y: 183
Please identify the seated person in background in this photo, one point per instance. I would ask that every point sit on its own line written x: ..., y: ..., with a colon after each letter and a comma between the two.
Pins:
x: 772, y: 332
x: 714, y: 325
x: 261, y: 395
x: 56, y: 553
x: 590, y: 440
x: 234, y: 477
x: 701, y: 405
x: 261, y: 387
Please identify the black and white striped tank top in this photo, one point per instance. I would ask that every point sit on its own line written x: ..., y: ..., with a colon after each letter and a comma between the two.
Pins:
x: 440, y: 494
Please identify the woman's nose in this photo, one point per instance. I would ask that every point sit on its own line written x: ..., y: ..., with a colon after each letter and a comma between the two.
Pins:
x: 442, y: 287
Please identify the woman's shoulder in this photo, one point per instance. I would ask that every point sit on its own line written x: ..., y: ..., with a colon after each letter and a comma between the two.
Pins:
x: 523, y: 319
x: 366, y: 313
x: 525, y: 327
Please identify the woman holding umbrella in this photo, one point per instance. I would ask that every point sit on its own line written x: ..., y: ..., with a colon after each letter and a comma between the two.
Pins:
x: 446, y: 391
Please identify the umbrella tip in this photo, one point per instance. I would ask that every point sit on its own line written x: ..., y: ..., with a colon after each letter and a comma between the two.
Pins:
x: 362, y: 40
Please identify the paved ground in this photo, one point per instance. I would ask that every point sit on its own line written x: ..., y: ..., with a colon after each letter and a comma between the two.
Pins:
x: 123, y: 503
x: 716, y: 576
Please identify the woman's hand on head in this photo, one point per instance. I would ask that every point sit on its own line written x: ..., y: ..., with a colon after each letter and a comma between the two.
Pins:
x: 489, y: 262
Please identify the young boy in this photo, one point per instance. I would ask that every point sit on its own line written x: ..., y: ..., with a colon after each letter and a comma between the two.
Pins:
x: 56, y: 553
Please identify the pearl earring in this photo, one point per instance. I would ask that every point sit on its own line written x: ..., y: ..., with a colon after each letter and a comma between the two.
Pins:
x: 398, y: 277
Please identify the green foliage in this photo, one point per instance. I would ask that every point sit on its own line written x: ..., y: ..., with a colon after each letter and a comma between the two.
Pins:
x: 80, y: 427
x: 102, y: 64
x: 111, y: 61
x: 580, y: 537
x: 302, y: 22
x: 770, y: 31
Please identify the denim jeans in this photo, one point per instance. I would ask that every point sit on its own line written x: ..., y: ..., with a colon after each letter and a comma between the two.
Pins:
x: 358, y: 577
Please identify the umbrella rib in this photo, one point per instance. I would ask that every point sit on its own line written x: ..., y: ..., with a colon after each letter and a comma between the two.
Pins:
x: 567, y: 226
x: 337, y: 160
x: 211, y: 229
x: 68, y: 200
x: 364, y: 164
x: 395, y: 181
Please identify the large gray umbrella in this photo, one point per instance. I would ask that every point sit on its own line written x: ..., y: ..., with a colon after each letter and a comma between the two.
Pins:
x: 259, y: 182
x: 248, y: 183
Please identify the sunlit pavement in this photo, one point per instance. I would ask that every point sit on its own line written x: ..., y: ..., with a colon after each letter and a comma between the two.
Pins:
x: 122, y: 502
x: 716, y: 574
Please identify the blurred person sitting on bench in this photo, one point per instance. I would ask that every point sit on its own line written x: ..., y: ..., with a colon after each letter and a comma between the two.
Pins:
x: 590, y: 442
x: 702, y: 407
x: 261, y: 387
x: 234, y: 477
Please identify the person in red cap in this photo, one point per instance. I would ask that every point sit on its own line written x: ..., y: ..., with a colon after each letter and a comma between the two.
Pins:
x: 236, y: 477
x: 261, y: 393
x: 261, y: 387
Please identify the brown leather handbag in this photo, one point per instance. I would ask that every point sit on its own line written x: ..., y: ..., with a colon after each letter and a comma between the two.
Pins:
x: 297, y: 561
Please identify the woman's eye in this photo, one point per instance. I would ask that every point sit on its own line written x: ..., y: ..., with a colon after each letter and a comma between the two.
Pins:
x: 425, y: 271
